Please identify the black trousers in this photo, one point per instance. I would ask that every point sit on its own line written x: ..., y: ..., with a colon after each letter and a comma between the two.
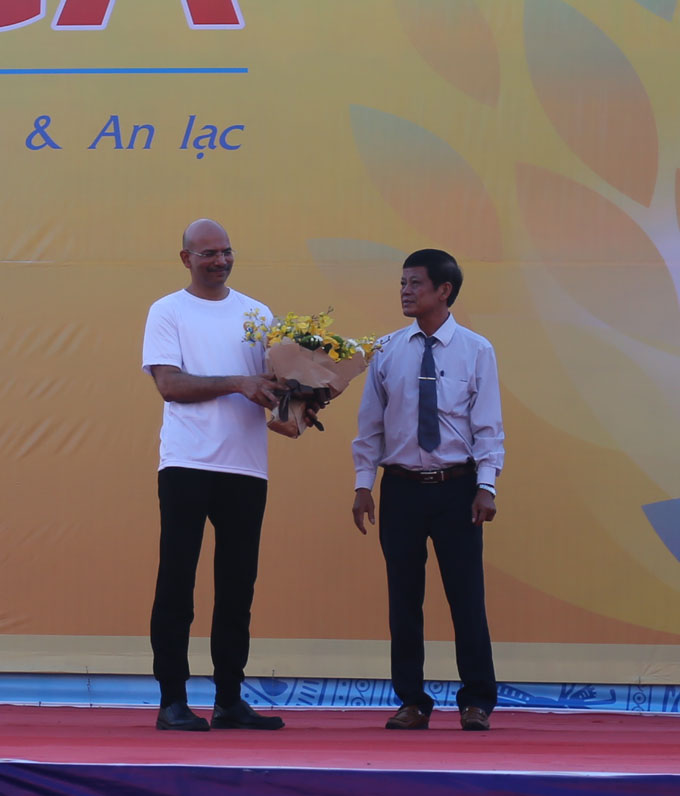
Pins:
x: 234, y: 504
x: 410, y: 512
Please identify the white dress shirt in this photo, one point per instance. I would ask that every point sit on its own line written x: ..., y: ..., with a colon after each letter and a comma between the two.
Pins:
x: 468, y: 403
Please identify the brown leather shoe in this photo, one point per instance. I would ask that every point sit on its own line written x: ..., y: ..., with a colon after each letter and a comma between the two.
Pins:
x: 408, y: 717
x: 474, y: 718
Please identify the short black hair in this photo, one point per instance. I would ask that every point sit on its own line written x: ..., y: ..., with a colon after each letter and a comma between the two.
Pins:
x: 440, y: 266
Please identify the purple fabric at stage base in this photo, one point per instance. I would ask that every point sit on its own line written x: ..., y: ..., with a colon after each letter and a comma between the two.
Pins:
x: 25, y: 779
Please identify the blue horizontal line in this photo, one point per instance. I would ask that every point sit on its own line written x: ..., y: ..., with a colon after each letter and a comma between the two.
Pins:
x: 142, y: 70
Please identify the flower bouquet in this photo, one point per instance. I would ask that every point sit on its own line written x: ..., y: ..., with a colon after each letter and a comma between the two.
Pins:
x: 315, y: 364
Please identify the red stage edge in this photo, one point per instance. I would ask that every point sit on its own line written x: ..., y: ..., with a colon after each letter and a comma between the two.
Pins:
x: 50, y: 750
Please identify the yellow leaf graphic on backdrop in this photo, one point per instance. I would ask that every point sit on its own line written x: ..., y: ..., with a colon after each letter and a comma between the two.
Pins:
x: 593, y: 96
x: 347, y: 263
x: 456, y: 41
x: 600, y: 256
x: 428, y: 183
x: 664, y: 8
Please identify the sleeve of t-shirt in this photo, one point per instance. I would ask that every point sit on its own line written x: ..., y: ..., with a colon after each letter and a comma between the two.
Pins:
x: 161, y: 340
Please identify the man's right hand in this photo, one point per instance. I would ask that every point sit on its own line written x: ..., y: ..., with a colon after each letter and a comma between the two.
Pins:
x: 363, y: 505
x: 176, y: 385
x: 262, y: 389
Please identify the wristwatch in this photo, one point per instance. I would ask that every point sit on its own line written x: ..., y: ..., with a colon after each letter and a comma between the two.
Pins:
x: 488, y: 488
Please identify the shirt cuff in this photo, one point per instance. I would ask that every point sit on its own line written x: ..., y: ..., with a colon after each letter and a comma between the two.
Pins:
x: 365, y: 479
x: 486, y: 475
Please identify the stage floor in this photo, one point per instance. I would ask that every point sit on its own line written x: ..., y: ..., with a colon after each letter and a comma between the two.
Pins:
x: 601, y: 745
x: 518, y: 741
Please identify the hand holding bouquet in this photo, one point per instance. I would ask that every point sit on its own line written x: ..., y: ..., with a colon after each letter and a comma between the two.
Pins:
x: 316, y: 364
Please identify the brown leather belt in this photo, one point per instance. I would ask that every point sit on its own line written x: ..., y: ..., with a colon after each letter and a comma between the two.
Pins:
x: 431, y: 476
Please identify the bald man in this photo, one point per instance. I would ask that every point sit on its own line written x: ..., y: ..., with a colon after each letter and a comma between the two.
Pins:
x: 213, y: 465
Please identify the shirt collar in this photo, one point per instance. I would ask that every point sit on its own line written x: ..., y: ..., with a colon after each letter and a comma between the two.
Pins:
x: 442, y: 335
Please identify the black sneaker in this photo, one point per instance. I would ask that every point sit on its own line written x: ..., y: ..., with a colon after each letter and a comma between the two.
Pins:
x: 240, y: 716
x: 178, y: 716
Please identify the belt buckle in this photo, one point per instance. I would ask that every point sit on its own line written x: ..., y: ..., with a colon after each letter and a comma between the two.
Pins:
x: 432, y: 476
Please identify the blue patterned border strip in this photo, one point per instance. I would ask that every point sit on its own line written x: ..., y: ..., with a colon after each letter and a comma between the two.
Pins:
x: 301, y: 692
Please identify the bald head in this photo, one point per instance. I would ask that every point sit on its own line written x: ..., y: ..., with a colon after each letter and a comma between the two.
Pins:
x: 198, y: 229
x: 207, y: 253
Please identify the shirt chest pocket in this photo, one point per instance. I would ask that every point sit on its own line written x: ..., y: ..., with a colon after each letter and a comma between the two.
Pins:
x: 455, y: 390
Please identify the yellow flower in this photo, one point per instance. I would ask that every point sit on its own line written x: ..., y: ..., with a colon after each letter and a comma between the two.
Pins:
x: 309, y: 331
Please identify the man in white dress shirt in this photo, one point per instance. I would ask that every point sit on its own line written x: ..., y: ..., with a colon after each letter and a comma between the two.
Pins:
x: 431, y: 417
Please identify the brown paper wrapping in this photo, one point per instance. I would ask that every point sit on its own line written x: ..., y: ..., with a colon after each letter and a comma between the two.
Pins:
x: 288, y: 360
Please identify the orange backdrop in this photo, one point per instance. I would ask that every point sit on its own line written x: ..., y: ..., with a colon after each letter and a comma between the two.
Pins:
x: 536, y: 140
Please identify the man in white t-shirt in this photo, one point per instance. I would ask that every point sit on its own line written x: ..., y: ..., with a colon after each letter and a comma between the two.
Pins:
x: 213, y: 465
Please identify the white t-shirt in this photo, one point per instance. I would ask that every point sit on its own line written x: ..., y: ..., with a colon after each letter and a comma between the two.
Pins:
x: 205, y: 338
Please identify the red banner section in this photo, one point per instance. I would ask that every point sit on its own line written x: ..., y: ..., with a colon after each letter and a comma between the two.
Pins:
x: 15, y: 13
x: 222, y: 13
x: 94, y: 14
x: 83, y: 14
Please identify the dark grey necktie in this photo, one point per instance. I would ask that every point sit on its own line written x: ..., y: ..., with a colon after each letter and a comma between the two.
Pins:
x: 428, y: 417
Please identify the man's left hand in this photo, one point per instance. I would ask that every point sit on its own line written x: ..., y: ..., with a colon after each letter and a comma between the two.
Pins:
x: 483, y: 507
x: 311, y: 415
